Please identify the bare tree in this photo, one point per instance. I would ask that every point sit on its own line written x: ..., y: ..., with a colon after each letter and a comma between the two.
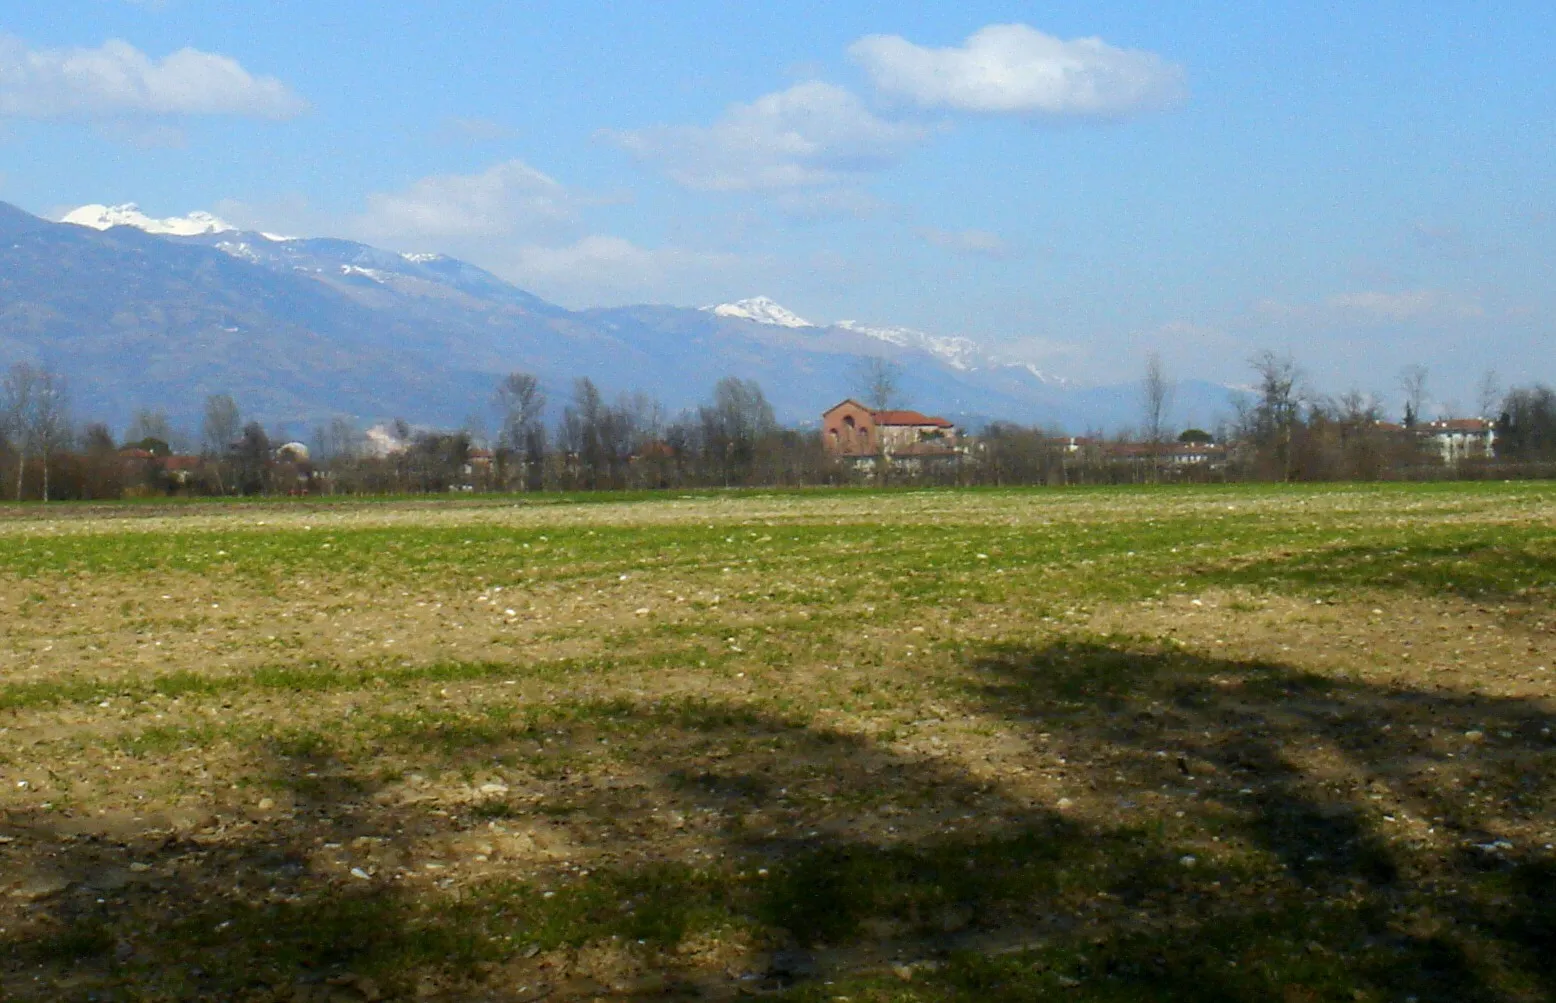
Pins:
x: 1274, y: 417
x: 1156, y: 395
x: 219, y: 430
x: 521, y: 404
x: 103, y: 468
x: 1488, y: 394
x: 341, y: 439
x: 17, y: 392
x: 251, y: 453
x: 1356, y: 409
x: 734, y: 425
x: 336, y: 448
x: 49, y: 421
x: 1412, y: 383
x: 880, y: 380
x: 580, y: 437
x: 221, y: 425
x: 1527, y: 429
x: 150, y: 423
x: 97, y: 440
x: 647, y: 417
x: 520, y: 401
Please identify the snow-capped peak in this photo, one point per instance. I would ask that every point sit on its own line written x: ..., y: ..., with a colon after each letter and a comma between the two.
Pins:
x: 367, y: 273
x: 103, y: 217
x: 761, y: 310
x: 1042, y: 376
x: 420, y: 257
x: 959, y: 353
x: 955, y: 351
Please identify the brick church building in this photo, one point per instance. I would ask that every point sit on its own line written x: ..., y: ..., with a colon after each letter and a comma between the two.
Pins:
x: 851, y: 429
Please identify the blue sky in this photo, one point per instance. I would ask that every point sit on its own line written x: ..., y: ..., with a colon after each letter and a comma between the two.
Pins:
x: 1079, y: 183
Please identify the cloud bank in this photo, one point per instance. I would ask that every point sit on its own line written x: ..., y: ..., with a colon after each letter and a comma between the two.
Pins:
x: 978, y: 243
x: 613, y: 263
x: 1016, y: 69
x: 1376, y: 307
x: 1402, y: 307
x: 812, y: 134
x: 504, y: 199
x: 525, y: 226
x: 118, y: 80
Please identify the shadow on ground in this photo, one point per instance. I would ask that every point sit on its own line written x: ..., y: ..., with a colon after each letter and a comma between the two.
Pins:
x: 1363, y: 839
x: 1517, y: 563
x: 1229, y: 831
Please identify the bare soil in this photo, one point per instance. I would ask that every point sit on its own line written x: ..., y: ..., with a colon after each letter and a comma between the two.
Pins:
x: 662, y: 770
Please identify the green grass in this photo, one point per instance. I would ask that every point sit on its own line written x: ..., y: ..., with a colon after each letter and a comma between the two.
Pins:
x: 863, y: 728
x: 1320, y: 950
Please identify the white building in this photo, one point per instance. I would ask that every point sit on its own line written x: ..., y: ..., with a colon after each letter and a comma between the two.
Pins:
x: 1461, y: 438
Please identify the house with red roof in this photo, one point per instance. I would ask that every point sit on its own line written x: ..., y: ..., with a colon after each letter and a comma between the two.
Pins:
x: 850, y: 429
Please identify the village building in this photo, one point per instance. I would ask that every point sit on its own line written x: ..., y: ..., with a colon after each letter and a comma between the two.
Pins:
x: 1451, y: 440
x: 1459, y: 439
x: 176, y: 470
x: 1165, y: 454
x: 850, y: 429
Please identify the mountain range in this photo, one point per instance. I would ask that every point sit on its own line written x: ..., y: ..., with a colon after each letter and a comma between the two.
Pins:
x: 140, y: 312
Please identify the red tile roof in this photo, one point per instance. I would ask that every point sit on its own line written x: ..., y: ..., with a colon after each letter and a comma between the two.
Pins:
x: 908, y: 418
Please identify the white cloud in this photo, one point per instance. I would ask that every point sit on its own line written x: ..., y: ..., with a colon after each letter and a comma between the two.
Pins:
x: 603, y: 268
x: 1439, y: 236
x: 1376, y: 307
x: 288, y: 214
x: 467, y: 129
x: 1274, y: 309
x: 1016, y: 69
x: 144, y: 134
x: 516, y: 221
x: 828, y: 203
x: 979, y: 243
x: 504, y: 199
x: 811, y: 135
x: 1400, y: 307
x: 1180, y: 331
x: 1039, y: 350
x: 117, y: 80
x: 1192, y: 348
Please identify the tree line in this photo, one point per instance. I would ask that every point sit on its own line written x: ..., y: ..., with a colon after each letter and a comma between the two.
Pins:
x: 1282, y: 431
x: 1286, y: 431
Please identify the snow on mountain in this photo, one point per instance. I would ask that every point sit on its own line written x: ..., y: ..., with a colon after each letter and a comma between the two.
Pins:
x: 958, y: 353
x: 1040, y: 375
x: 239, y: 249
x: 761, y: 310
x: 103, y: 217
x: 370, y: 273
x: 307, y: 329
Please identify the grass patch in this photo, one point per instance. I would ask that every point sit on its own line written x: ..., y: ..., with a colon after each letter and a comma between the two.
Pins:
x: 1097, y: 744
